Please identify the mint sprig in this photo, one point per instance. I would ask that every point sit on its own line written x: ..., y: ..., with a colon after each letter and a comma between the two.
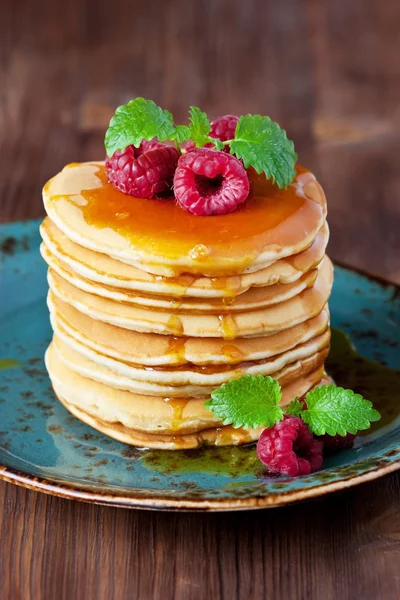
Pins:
x: 140, y: 120
x: 295, y: 408
x: 258, y: 141
x: 263, y: 145
x: 199, y: 126
x: 182, y: 134
x: 247, y: 402
x: 252, y: 401
x: 333, y: 410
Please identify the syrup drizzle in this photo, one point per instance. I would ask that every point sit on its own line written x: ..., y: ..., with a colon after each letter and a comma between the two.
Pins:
x: 176, y: 348
x: 177, y: 407
x: 225, y: 435
x: 227, y: 327
x: 231, y: 285
x: 232, y: 353
x: 174, y: 325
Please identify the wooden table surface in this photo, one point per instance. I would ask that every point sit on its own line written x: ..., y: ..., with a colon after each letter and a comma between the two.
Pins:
x: 329, y: 72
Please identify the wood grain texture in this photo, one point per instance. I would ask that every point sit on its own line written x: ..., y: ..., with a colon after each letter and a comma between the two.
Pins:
x: 330, y: 73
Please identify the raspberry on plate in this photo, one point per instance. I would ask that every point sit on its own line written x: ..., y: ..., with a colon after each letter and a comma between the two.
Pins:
x: 224, y: 127
x: 290, y: 448
x: 209, y: 182
x: 145, y: 171
x: 333, y: 443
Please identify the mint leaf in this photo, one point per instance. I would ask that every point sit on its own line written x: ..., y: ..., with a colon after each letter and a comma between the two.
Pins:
x: 295, y: 408
x: 138, y: 120
x: 217, y: 143
x: 249, y: 402
x: 333, y: 410
x: 182, y: 134
x: 199, y: 126
x: 263, y: 145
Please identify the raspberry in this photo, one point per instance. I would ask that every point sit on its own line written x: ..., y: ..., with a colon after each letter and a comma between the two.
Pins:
x: 189, y: 146
x: 144, y: 171
x: 224, y: 127
x: 333, y: 443
x: 290, y: 448
x: 208, y: 182
x: 146, y: 146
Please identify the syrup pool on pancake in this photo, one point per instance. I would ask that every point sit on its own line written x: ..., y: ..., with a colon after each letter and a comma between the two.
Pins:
x: 161, y: 238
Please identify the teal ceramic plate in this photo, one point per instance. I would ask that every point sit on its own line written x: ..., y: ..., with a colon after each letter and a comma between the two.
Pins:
x: 44, y: 448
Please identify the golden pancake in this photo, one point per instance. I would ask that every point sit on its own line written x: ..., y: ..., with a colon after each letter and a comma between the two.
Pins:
x: 250, y: 300
x: 149, y: 414
x: 217, y: 436
x: 194, y: 381
x: 102, y: 269
x: 159, y: 237
x: 306, y: 305
x: 157, y: 350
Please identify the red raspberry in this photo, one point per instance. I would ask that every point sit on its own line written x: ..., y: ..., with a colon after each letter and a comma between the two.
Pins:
x: 153, y: 144
x: 144, y: 171
x: 290, y: 448
x: 189, y: 146
x: 333, y: 443
x: 224, y: 127
x: 208, y: 182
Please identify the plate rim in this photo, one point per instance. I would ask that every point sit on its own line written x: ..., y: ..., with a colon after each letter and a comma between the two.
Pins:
x: 72, y: 491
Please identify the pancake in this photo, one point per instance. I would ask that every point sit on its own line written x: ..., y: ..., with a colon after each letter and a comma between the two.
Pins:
x: 148, y: 414
x: 306, y: 305
x: 196, y: 382
x: 153, y: 308
x: 159, y: 237
x: 250, y: 300
x: 157, y: 350
x: 218, y: 436
x: 100, y: 268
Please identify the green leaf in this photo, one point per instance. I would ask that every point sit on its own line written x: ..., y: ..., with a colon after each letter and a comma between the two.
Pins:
x: 182, y: 134
x: 249, y: 402
x: 295, y: 408
x: 138, y: 120
x: 199, y: 126
x: 263, y: 145
x: 217, y: 143
x: 333, y: 410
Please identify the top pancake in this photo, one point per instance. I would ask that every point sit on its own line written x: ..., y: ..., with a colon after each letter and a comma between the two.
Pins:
x: 159, y: 237
x: 102, y: 269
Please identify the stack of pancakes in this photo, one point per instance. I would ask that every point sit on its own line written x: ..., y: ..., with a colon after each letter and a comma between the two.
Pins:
x: 153, y: 308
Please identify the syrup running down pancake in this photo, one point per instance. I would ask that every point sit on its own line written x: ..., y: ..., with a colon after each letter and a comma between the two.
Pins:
x: 153, y: 308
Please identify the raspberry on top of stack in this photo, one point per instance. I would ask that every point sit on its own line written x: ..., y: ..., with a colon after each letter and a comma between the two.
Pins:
x: 193, y: 258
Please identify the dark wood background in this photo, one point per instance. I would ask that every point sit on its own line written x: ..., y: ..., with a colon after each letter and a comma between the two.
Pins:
x: 329, y: 71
